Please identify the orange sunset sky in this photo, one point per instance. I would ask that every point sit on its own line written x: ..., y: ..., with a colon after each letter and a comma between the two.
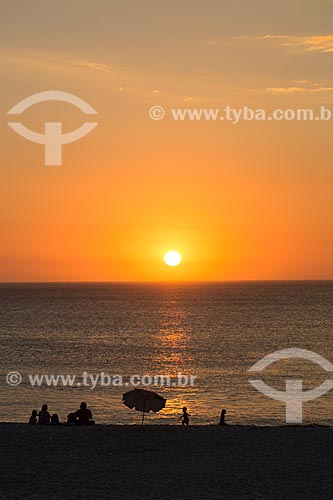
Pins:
x: 240, y: 202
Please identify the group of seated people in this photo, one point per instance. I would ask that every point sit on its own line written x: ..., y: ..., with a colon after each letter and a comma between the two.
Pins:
x: 83, y: 416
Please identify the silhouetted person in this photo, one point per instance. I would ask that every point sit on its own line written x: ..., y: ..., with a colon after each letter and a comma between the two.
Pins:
x: 33, y: 418
x: 43, y: 416
x: 71, y: 419
x: 55, y: 419
x: 222, y: 418
x: 185, y: 417
x: 84, y: 415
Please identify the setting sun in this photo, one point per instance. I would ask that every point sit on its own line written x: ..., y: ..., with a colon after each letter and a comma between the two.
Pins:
x: 172, y: 258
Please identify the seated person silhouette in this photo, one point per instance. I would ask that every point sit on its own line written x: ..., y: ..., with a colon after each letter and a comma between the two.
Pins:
x: 222, y: 418
x: 33, y: 418
x: 55, y: 419
x: 84, y: 415
x: 43, y: 416
x: 71, y: 419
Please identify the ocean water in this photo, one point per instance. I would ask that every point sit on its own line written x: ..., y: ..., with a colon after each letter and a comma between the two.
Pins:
x: 213, y: 331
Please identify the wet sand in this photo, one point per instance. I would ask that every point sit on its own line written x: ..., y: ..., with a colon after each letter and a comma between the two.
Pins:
x: 166, y: 462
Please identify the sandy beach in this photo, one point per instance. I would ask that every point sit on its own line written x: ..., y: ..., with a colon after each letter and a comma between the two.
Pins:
x: 168, y: 462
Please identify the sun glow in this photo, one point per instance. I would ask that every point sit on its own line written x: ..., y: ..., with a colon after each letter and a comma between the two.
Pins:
x: 172, y: 258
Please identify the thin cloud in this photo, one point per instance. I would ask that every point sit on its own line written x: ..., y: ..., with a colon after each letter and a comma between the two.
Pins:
x: 321, y: 43
x: 313, y: 43
x: 298, y: 90
x: 105, y: 68
x: 210, y: 43
x: 58, y: 63
x: 274, y: 37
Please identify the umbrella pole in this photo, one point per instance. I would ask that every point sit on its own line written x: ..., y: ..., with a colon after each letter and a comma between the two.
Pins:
x: 143, y: 417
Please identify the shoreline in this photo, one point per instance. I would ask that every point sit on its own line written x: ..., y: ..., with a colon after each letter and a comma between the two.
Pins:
x: 192, y: 426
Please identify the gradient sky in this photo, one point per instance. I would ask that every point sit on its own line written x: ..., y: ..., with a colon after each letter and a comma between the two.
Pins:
x: 240, y: 202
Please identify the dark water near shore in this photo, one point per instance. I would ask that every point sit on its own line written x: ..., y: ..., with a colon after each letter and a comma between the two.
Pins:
x: 212, y: 331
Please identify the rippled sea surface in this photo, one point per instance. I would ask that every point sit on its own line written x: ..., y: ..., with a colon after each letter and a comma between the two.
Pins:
x: 215, y: 332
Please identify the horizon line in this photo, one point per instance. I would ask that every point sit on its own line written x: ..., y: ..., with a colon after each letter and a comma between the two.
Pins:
x: 173, y: 282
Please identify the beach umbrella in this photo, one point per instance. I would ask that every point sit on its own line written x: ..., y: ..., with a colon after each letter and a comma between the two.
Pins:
x: 144, y: 401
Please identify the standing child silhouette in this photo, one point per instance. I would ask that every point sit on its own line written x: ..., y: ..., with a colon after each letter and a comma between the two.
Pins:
x: 185, y: 417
